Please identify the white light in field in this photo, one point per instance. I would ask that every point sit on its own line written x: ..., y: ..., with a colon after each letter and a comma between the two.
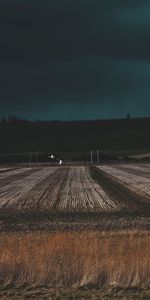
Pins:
x: 60, y: 162
x: 51, y: 156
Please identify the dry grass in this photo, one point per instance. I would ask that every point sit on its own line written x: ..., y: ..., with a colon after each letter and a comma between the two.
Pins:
x: 73, y: 259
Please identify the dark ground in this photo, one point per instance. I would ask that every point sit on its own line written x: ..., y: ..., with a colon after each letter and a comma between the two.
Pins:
x: 82, y: 294
x: 74, y: 140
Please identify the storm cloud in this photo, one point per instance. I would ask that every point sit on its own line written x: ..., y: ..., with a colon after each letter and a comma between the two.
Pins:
x: 63, y: 59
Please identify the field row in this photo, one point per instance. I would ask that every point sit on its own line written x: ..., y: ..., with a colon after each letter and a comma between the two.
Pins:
x: 134, y: 178
x: 62, y: 189
x: 74, y: 189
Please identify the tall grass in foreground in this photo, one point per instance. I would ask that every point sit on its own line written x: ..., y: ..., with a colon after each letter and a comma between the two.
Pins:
x: 75, y: 259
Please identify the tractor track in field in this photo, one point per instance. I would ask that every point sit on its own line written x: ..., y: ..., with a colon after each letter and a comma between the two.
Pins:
x: 136, y: 184
x: 118, y: 192
x: 62, y: 182
x: 46, y: 194
x: 9, y: 179
x: 138, y: 172
x: 112, y: 204
x: 12, y: 196
x: 7, y: 170
x: 81, y: 193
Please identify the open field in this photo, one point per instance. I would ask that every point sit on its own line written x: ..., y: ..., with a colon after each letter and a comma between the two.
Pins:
x: 136, y: 179
x: 86, y: 260
x: 75, y: 197
x: 63, y: 189
x: 75, y: 232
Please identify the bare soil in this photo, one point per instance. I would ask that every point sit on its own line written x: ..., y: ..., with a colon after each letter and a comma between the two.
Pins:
x: 85, y: 293
x: 69, y: 198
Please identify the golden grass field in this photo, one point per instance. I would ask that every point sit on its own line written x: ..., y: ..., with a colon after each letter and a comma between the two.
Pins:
x: 75, y: 259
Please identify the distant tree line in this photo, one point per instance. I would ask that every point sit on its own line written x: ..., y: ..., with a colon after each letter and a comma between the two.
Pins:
x: 13, y: 119
x: 18, y: 120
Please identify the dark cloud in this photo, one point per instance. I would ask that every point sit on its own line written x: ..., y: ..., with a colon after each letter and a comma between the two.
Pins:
x: 61, y: 56
x: 68, y: 29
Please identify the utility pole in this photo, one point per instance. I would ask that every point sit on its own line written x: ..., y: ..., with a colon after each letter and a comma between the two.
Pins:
x: 91, y: 156
x: 97, y: 156
x: 30, y: 159
x: 36, y: 157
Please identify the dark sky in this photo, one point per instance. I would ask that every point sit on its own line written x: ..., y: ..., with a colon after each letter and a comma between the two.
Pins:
x: 74, y: 59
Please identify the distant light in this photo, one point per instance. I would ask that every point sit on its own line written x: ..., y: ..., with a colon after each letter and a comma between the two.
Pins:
x: 60, y: 162
x: 51, y: 156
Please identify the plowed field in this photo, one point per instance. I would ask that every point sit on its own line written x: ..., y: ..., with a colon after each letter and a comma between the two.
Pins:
x: 75, y: 196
